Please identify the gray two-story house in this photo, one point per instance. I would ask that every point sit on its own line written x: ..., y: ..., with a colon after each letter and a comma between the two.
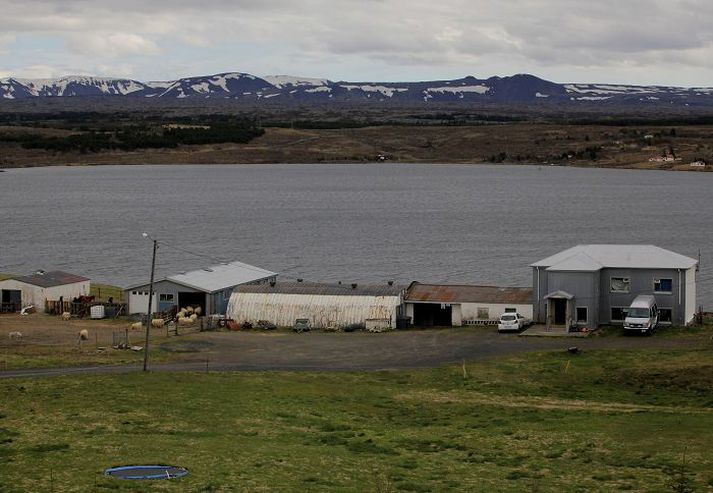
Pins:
x: 592, y: 285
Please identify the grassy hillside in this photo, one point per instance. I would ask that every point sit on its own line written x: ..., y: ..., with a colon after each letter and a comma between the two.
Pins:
x: 599, y: 421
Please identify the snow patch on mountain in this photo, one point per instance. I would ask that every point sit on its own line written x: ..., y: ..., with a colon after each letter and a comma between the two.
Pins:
x: 478, y: 89
x: 282, y: 81
x: 318, y: 89
x: 385, y: 90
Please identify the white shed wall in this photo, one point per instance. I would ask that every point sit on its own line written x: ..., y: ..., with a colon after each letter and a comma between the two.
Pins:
x: 322, y: 311
x: 690, y: 294
x: 36, y: 295
x: 469, y: 311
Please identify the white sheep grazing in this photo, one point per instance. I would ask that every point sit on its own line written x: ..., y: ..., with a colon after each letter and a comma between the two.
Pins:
x: 197, y: 310
x: 15, y: 335
x: 157, y: 323
x: 66, y: 316
x: 137, y: 326
x: 185, y: 321
x: 83, y: 335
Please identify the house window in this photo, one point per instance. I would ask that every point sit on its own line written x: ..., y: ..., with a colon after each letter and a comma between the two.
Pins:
x: 665, y: 315
x: 511, y: 310
x: 618, y: 314
x: 663, y: 285
x: 581, y: 314
x: 165, y: 297
x: 620, y: 284
x: 483, y: 314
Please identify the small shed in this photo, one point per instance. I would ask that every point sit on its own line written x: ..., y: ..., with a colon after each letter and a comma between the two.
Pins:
x: 444, y: 305
x: 325, y: 305
x: 209, y: 287
x: 36, y: 289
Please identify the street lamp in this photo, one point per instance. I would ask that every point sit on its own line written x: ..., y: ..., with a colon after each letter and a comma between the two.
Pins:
x: 148, y: 315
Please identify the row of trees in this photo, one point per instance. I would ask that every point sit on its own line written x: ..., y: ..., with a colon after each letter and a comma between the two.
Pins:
x: 141, y: 137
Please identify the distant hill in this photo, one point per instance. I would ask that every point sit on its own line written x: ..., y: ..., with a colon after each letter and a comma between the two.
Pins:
x: 521, y: 88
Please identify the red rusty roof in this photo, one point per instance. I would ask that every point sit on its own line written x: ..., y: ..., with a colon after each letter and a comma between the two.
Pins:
x: 445, y: 293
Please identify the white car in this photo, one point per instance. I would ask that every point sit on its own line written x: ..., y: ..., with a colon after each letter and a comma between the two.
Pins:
x: 512, y: 322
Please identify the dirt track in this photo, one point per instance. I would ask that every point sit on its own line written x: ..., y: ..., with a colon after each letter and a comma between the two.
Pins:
x: 260, y: 351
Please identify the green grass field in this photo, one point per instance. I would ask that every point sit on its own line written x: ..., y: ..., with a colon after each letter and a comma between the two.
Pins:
x: 599, y: 421
x: 105, y: 291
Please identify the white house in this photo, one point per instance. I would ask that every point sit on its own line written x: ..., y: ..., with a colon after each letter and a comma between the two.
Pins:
x: 446, y: 305
x: 19, y: 292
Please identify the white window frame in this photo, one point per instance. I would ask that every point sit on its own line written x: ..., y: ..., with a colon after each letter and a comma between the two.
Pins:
x: 626, y: 280
x: 165, y: 297
x: 659, y: 279
x: 586, y: 311
x: 510, y: 310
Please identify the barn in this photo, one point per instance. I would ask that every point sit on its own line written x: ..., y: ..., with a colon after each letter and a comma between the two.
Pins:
x: 35, y: 289
x: 445, y: 305
x: 209, y: 287
x: 324, y: 305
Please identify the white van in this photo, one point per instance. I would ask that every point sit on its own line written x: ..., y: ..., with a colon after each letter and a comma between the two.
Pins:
x: 643, y: 315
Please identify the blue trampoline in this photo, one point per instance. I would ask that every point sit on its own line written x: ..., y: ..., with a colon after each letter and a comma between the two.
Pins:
x: 146, y: 472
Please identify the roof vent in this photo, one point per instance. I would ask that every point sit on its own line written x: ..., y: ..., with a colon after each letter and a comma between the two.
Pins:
x: 390, y: 283
x: 40, y: 272
x: 354, y: 285
x: 272, y: 284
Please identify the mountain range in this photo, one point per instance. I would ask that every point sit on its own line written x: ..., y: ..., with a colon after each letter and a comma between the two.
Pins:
x: 521, y: 88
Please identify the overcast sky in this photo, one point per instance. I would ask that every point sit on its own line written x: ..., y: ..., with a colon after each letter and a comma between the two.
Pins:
x: 619, y: 41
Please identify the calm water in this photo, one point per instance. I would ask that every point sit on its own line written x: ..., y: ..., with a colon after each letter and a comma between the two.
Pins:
x: 365, y: 223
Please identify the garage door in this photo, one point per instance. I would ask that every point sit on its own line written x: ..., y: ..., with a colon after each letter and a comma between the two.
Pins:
x: 139, y: 302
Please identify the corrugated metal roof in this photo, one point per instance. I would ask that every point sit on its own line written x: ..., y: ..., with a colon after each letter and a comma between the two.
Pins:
x: 51, y: 279
x: 445, y: 293
x: 221, y: 276
x: 616, y: 256
x: 312, y: 288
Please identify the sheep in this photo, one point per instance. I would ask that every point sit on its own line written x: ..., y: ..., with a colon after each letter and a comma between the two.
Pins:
x: 15, y: 335
x: 193, y: 317
x: 66, y: 315
x: 181, y: 312
x: 185, y: 321
x: 83, y: 335
x: 189, y: 310
x: 157, y: 323
x: 197, y: 310
x: 137, y: 326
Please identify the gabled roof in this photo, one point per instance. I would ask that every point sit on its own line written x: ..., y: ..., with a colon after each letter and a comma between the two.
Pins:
x: 595, y: 257
x: 221, y: 276
x: 320, y: 289
x: 217, y: 277
x: 447, y: 293
x: 51, y: 279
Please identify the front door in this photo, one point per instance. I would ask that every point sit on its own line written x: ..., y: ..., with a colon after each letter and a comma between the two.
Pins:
x: 560, y: 311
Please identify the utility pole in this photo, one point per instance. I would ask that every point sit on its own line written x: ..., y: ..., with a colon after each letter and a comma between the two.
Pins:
x: 148, y: 315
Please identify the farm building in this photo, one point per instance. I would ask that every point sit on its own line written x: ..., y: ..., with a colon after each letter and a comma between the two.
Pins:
x: 324, y: 305
x: 210, y: 288
x: 445, y: 305
x: 591, y: 285
x: 22, y: 291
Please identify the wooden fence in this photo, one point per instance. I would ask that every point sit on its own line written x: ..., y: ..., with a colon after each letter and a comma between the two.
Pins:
x: 82, y: 310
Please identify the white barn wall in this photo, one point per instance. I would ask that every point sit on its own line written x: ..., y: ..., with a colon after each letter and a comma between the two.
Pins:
x: 36, y: 295
x: 469, y: 311
x: 690, y: 294
x: 322, y: 310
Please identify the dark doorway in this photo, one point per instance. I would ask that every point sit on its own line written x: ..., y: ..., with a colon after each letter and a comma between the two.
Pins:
x: 432, y: 315
x: 560, y: 311
x: 11, y: 300
x: 186, y: 299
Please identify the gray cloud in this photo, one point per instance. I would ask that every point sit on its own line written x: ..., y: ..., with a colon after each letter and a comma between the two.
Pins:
x: 339, y: 38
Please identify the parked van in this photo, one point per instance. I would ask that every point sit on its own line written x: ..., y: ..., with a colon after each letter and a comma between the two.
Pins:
x: 643, y: 315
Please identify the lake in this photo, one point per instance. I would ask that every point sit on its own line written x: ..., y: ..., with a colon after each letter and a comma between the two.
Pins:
x: 351, y: 223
